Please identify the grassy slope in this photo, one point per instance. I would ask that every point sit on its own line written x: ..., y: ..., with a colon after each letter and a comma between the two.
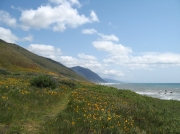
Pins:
x: 75, y: 106
x: 24, y: 108
x: 80, y: 107
x: 16, y: 55
x: 11, y: 60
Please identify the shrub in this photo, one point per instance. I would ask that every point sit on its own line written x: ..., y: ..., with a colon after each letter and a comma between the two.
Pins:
x: 43, y: 81
x: 4, y: 72
x: 68, y: 83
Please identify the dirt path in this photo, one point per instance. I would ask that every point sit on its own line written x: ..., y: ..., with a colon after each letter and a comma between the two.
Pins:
x: 33, y: 127
x: 59, y: 107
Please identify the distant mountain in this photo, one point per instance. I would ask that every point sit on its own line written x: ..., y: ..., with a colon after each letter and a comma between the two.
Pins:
x: 88, y: 74
x: 14, y: 58
x: 112, y: 80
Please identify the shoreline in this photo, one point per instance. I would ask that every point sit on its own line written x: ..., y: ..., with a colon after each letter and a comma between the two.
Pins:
x: 163, y: 91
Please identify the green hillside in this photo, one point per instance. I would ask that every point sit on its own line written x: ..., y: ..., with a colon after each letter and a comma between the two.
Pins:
x: 34, y: 102
x: 11, y: 60
x: 16, y: 58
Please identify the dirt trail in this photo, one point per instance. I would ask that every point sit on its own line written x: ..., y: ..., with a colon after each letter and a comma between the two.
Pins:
x: 33, y: 127
x: 59, y: 107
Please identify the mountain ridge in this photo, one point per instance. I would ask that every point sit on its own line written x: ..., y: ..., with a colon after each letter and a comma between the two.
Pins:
x: 88, y: 74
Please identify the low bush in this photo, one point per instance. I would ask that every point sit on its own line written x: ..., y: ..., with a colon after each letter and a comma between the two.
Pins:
x: 4, y: 72
x: 43, y: 81
x: 68, y: 83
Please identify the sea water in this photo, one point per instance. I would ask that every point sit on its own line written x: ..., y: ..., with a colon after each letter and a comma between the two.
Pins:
x: 166, y: 91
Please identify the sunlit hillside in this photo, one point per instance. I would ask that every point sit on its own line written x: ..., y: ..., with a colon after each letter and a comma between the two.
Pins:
x: 16, y: 58
x: 12, y: 60
x: 41, y: 96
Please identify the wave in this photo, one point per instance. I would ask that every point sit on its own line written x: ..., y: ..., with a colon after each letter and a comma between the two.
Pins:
x: 109, y: 83
x: 163, y: 91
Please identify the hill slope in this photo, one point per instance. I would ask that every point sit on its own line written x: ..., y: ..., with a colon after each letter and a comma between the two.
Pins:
x: 16, y: 58
x: 11, y: 60
x: 74, y: 106
x: 88, y: 74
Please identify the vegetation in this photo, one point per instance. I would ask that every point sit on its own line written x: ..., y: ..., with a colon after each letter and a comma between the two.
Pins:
x: 37, y: 100
x: 43, y: 81
x: 17, y: 59
x: 4, y: 72
x: 81, y: 107
x: 25, y: 107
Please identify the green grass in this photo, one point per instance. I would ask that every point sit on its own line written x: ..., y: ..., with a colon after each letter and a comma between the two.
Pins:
x: 100, y: 109
x: 75, y: 107
x: 24, y: 108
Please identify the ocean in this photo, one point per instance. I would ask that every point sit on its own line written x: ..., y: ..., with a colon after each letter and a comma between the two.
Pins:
x: 166, y: 91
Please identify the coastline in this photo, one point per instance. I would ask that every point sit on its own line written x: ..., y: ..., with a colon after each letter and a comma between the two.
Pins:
x: 164, y: 91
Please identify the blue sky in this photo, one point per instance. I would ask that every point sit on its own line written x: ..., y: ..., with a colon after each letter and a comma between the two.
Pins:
x: 127, y: 40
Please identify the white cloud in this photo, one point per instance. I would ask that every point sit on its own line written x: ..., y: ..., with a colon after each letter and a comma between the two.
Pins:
x: 108, y: 37
x: 68, y: 61
x: 45, y: 50
x: 112, y: 73
x: 75, y: 2
x: 7, y: 35
x: 16, y: 8
x: 87, y: 61
x: 111, y: 37
x: 158, y: 58
x: 58, y: 17
x: 94, y: 17
x: 92, y: 64
x: 69, y: 2
x: 86, y: 57
x: 49, y: 51
x: 145, y: 61
x: 89, y: 31
x: 123, y: 55
x: 28, y: 38
x: 7, y: 19
x: 112, y: 48
x: 84, y: 60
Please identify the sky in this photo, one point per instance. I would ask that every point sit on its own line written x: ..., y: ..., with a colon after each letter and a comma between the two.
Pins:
x: 126, y: 40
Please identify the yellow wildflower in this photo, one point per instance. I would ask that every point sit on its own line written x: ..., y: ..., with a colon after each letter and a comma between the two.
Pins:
x: 73, y: 122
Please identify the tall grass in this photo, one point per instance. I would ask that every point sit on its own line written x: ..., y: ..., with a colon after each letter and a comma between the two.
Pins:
x: 100, y: 109
x: 75, y: 107
x: 22, y: 104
